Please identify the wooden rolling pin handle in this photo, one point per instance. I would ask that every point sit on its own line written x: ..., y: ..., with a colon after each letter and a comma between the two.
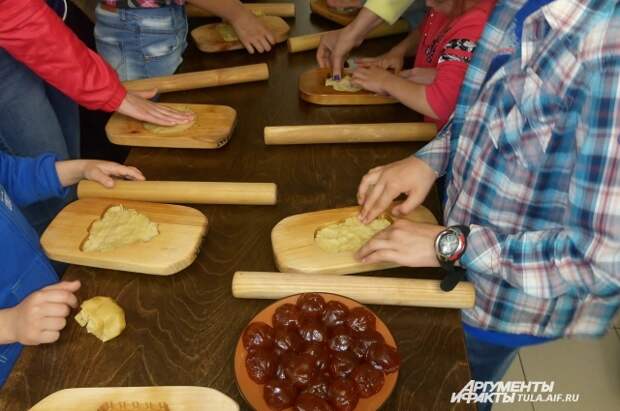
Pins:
x: 349, y: 133
x: 184, y: 192
x: 201, y: 79
x: 368, y: 290
x: 268, y: 9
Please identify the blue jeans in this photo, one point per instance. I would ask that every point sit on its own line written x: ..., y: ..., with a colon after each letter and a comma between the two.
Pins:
x: 36, y: 118
x: 142, y: 43
x: 488, y: 362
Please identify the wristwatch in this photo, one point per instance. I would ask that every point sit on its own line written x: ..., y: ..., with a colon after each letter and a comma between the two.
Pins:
x: 450, y: 245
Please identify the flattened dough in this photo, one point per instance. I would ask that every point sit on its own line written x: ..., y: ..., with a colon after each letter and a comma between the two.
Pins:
x: 119, y: 227
x: 227, y: 32
x: 103, y: 318
x: 176, y: 129
x: 348, y: 235
x: 344, y: 84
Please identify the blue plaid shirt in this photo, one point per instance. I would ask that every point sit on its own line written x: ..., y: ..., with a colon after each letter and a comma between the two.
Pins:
x: 532, y: 159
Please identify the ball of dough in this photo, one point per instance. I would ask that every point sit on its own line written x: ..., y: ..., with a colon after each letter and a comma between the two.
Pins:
x: 344, y: 84
x: 227, y: 32
x: 119, y: 227
x: 348, y: 235
x: 102, y: 317
x: 176, y: 129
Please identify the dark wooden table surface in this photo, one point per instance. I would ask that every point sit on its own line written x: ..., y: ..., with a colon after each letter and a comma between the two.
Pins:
x: 182, y: 329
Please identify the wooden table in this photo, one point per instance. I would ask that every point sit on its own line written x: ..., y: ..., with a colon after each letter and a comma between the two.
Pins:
x: 181, y: 330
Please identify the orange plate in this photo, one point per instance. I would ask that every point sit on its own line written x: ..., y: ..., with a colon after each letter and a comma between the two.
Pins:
x: 253, y: 392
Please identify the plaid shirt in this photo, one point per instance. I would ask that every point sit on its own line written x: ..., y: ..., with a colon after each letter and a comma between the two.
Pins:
x: 535, y: 170
x: 146, y: 4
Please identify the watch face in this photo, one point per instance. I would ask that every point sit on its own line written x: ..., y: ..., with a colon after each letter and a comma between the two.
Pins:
x: 448, y: 244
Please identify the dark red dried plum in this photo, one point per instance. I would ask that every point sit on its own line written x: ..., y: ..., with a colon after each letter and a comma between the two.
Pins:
x: 309, y: 402
x: 261, y: 364
x: 361, y: 320
x: 363, y: 341
x: 299, y: 369
x: 285, y: 339
x: 368, y: 380
x: 383, y: 357
x: 335, y: 314
x: 311, y: 305
x: 320, y: 352
x: 313, y: 331
x: 342, y: 364
x: 342, y: 394
x: 279, y: 394
x: 287, y: 316
x: 257, y: 335
x: 341, y: 338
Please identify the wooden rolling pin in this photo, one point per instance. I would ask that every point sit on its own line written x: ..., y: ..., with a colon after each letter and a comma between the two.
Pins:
x: 312, y: 41
x: 367, y: 290
x: 201, y: 79
x: 184, y: 192
x: 350, y: 133
x: 267, y: 9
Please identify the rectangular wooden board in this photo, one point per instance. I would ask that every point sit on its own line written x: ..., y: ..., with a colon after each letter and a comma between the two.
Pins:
x: 312, y: 89
x: 212, y: 128
x: 181, y: 230
x: 137, y: 399
x: 209, y: 39
x: 321, y: 8
x: 295, y: 250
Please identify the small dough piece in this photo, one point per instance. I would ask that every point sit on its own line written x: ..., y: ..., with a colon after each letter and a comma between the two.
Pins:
x: 344, y: 84
x: 176, y: 129
x: 102, y: 317
x: 348, y: 235
x: 119, y: 227
x: 227, y: 32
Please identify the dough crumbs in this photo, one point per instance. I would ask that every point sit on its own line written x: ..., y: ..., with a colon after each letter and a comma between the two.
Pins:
x: 227, y: 32
x: 119, y: 227
x: 344, y: 84
x: 348, y: 235
x: 176, y: 129
x: 103, y: 318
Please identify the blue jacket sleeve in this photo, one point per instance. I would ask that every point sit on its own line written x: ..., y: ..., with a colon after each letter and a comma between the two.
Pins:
x: 28, y: 180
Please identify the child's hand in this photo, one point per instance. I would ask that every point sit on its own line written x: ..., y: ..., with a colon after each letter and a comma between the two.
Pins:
x: 252, y: 33
x: 103, y: 171
x: 372, y: 78
x: 393, y: 60
x: 136, y: 105
x: 39, y: 318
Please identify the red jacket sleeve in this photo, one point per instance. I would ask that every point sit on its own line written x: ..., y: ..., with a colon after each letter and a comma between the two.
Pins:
x: 34, y: 35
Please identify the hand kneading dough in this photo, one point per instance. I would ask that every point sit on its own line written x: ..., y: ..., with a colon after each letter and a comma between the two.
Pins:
x: 176, y: 129
x: 102, y: 317
x: 119, y: 227
x: 348, y: 235
x: 227, y: 32
x: 344, y: 84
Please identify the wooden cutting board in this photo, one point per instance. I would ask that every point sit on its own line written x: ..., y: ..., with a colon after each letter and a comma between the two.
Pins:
x: 181, y: 230
x: 137, y: 399
x: 321, y: 8
x: 312, y: 89
x: 212, y: 128
x: 209, y: 40
x: 295, y: 250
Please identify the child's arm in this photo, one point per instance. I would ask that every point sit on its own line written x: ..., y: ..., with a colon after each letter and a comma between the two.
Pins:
x: 394, y: 59
x: 381, y: 81
x: 252, y: 33
x: 72, y: 171
x: 40, y: 317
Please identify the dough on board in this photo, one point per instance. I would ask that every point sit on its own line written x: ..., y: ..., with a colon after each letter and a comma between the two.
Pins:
x: 119, y: 227
x: 344, y: 84
x: 227, y: 32
x: 176, y: 129
x: 103, y: 318
x: 348, y: 235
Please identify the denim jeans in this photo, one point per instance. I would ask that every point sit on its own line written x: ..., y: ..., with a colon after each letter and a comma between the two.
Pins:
x: 488, y: 362
x: 36, y: 118
x: 142, y: 43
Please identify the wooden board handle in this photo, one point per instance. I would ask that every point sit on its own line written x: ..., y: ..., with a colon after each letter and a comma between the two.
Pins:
x: 349, y: 133
x: 367, y: 290
x: 312, y: 41
x: 201, y: 79
x: 184, y: 192
x: 268, y: 9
